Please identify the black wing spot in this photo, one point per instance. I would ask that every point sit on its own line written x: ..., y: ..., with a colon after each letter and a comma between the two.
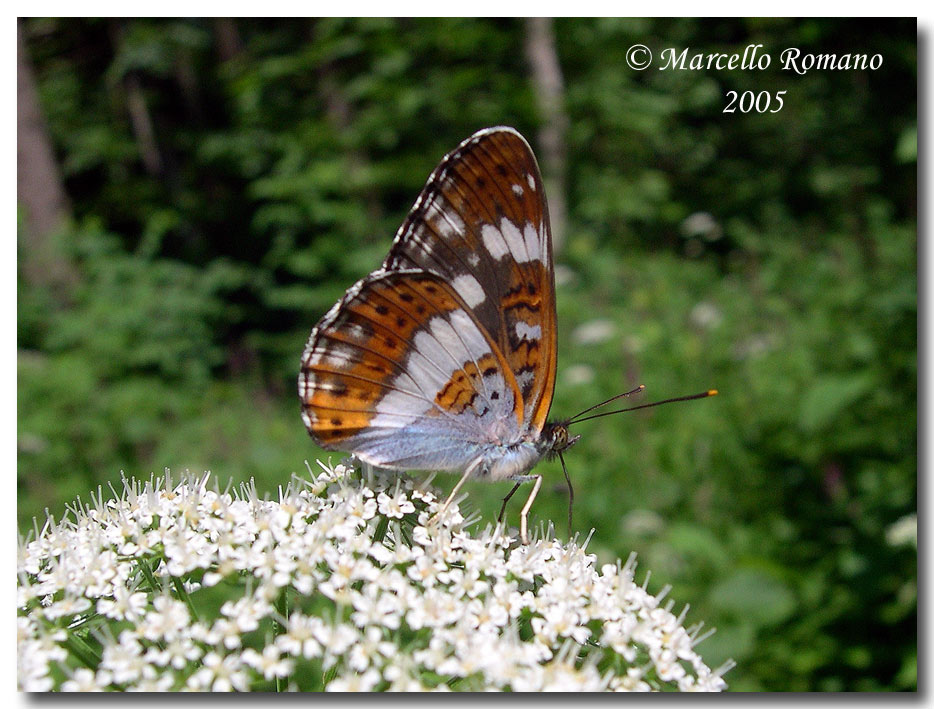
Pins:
x: 400, y: 321
x: 481, y: 182
x: 407, y: 297
x: 494, y: 396
x: 336, y: 421
x: 489, y: 371
x: 501, y: 169
x: 382, y: 309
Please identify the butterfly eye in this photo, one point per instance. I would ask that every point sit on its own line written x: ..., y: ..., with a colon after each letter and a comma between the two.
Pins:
x: 561, y: 438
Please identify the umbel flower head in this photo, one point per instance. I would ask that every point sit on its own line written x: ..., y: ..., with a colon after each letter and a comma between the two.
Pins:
x: 341, y: 584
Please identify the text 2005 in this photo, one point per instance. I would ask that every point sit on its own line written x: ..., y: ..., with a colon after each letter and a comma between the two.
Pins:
x: 749, y: 101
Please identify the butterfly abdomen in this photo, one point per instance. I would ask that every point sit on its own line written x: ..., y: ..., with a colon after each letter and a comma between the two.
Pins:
x: 507, y: 462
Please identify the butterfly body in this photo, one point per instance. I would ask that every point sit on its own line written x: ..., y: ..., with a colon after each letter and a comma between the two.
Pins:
x: 445, y: 357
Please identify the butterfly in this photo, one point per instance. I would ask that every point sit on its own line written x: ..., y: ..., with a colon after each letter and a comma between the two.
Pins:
x: 445, y: 357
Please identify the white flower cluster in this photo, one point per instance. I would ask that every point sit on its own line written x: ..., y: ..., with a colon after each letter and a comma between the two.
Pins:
x: 342, y: 584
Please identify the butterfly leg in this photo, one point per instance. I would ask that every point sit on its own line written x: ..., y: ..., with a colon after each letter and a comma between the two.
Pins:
x: 502, y: 510
x: 524, y: 515
x: 467, y: 473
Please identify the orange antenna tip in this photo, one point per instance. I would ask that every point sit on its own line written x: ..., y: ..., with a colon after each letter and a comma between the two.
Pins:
x: 712, y: 392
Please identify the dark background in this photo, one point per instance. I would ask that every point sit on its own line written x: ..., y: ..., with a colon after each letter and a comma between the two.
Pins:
x: 194, y: 194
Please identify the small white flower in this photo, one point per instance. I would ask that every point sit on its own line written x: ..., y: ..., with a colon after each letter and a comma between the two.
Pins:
x: 124, y: 605
x: 630, y: 682
x: 167, y: 620
x: 396, y: 506
x: 335, y: 639
x: 69, y: 606
x: 125, y: 660
x: 425, y: 570
x: 398, y: 554
x: 463, y: 582
x: 32, y: 666
x: 85, y: 680
x: 361, y: 507
x: 161, y: 683
x: 220, y: 674
x: 370, y: 649
x: 246, y: 612
x: 577, y: 374
x: 225, y: 632
x: 903, y: 532
x: 560, y: 620
x: 372, y: 607
x: 270, y: 663
x: 299, y: 639
x: 594, y: 332
x: 355, y: 682
x: 48, y: 643
x: 177, y: 653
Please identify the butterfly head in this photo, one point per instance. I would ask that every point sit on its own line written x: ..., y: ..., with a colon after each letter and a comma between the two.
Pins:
x: 558, y: 438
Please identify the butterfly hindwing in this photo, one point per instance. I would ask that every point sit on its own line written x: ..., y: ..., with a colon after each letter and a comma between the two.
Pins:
x: 401, y: 373
x: 481, y: 224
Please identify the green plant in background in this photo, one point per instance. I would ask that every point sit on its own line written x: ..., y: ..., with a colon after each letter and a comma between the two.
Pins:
x: 770, y: 256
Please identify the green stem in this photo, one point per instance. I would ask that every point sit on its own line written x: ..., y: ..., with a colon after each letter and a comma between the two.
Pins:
x: 183, y: 594
x: 82, y: 652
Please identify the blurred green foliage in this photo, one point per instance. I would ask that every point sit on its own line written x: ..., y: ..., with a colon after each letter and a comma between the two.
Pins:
x: 772, y: 256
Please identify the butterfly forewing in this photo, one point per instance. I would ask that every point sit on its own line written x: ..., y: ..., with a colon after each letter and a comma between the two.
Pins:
x: 401, y: 373
x: 481, y: 224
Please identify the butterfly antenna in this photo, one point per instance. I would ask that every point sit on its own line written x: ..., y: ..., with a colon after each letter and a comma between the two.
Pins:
x: 570, y: 491
x: 702, y: 395
x: 612, y: 398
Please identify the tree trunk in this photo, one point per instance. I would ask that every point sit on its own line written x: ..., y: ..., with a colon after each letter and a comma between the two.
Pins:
x: 39, y: 188
x: 227, y: 38
x: 548, y: 83
x: 140, y: 118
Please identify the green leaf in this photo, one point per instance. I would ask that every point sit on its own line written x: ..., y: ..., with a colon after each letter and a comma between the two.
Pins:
x: 906, y: 150
x: 755, y: 596
x: 829, y: 397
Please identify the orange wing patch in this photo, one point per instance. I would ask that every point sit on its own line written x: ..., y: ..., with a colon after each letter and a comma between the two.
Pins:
x: 528, y: 314
x: 357, y: 356
x: 465, y: 385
